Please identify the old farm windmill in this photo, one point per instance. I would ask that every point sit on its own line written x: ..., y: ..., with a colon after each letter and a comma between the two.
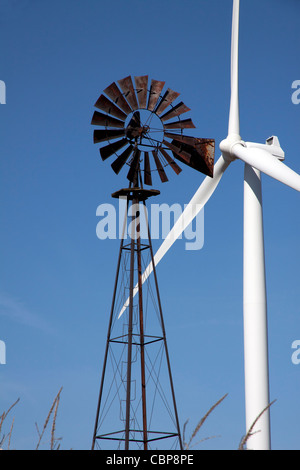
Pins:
x: 141, y: 130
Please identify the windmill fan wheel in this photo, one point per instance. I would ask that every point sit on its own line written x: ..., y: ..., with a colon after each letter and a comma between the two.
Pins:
x: 139, y: 123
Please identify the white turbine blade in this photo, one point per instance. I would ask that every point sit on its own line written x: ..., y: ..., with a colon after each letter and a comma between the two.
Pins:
x: 268, y: 164
x: 198, y: 201
x: 234, y: 119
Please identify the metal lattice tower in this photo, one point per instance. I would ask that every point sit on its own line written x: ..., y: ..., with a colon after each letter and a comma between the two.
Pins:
x: 137, y: 406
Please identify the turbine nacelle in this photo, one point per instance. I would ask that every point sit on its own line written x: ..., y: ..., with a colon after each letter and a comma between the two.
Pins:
x: 272, y: 146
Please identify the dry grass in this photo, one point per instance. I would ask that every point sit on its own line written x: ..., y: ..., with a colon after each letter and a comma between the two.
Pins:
x: 250, y: 432
x: 188, y: 445
x: 55, y: 442
x: 4, y: 437
x: 242, y: 446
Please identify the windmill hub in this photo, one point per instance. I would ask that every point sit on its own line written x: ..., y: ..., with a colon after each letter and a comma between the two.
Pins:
x: 138, y: 131
x: 144, y: 129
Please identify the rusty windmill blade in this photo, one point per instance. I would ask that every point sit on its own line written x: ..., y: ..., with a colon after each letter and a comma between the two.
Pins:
x: 161, y: 171
x: 197, y: 142
x: 106, y: 105
x: 141, y: 85
x: 185, y: 124
x: 201, y: 154
x: 104, y: 120
x: 193, y: 141
x: 184, y: 154
x: 154, y: 94
x: 135, y: 121
x: 147, y: 170
x: 118, y: 164
x: 113, y: 92
x: 166, y: 100
x: 205, y: 147
x: 134, y: 126
x: 126, y: 86
x: 177, y: 110
x: 101, y: 135
x: 134, y: 166
x: 170, y: 160
x: 110, y: 149
x: 181, y: 138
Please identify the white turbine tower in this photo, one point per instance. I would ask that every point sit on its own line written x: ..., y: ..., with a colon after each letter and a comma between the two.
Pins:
x: 266, y: 158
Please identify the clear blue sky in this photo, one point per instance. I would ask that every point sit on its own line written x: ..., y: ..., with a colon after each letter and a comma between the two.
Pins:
x: 57, y: 277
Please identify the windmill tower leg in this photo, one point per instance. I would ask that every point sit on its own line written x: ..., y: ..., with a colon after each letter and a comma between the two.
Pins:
x: 130, y: 328
x: 255, y: 314
x: 165, y: 342
x: 109, y: 332
x: 128, y: 390
x: 142, y: 346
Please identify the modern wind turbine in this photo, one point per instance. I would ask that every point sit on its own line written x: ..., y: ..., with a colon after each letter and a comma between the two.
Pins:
x: 266, y: 158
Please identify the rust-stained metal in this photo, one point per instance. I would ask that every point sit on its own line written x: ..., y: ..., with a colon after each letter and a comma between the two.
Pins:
x: 201, y: 154
x: 177, y: 110
x: 154, y: 94
x: 124, y: 101
x: 170, y: 160
x: 193, y: 141
x: 126, y: 86
x: 135, y: 130
x: 161, y: 171
x: 118, y: 164
x: 113, y: 92
x: 101, y: 135
x: 141, y: 88
x: 100, y: 119
x: 134, y: 126
x: 142, y: 337
x: 132, y: 173
x: 181, y: 138
x: 131, y: 193
x: 108, y: 150
x: 166, y: 100
x: 106, y: 105
x: 184, y: 124
x: 147, y: 170
x: 185, y: 155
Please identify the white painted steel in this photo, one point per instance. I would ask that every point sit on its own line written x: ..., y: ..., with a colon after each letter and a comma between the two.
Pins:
x: 255, y: 314
x: 234, y: 119
x: 268, y: 164
x: 198, y: 201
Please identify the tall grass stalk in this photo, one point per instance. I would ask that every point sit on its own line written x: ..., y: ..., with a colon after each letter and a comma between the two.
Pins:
x: 53, y: 407
x: 188, y: 445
